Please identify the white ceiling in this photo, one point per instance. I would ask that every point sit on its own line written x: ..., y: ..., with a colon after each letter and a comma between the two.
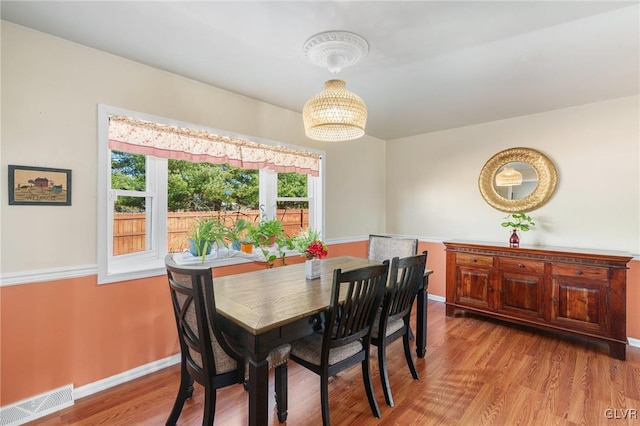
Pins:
x: 431, y: 65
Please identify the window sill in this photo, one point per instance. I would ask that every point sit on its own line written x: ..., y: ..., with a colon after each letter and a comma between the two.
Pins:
x: 223, y: 257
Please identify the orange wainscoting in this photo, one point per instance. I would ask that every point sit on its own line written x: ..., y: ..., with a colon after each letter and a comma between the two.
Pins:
x: 75, y: 331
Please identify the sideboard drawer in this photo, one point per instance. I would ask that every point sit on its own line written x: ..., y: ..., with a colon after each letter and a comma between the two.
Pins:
x: 580, y: 271
x: 522, y: 265
x: 474, y: 260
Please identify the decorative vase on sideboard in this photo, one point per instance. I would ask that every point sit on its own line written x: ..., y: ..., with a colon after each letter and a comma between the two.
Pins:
x: 514, y: 241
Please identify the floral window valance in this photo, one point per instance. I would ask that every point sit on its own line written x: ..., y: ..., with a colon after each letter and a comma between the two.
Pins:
x: 166, y: 141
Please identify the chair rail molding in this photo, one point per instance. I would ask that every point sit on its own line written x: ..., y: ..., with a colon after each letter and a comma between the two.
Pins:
x: 50, y: 274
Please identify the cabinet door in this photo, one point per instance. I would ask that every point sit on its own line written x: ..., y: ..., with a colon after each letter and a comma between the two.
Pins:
x: 473, y: 287
x: 521, y: 295
x: 579, y: 303
x: 521, y: 287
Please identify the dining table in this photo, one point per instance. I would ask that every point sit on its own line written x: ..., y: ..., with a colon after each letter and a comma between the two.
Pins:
x: 264, y: 309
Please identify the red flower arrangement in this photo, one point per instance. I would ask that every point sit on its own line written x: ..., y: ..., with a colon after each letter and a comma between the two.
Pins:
x: 316, y: 249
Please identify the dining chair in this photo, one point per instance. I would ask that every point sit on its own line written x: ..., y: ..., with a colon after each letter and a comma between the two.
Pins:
x: 345, y: 338
x: 392, y: 320
x: 206, y: 355
x: 383, y: 247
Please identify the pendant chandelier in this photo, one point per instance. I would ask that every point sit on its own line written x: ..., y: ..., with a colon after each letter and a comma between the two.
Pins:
x: 335, y: 114
x: 509, y: 177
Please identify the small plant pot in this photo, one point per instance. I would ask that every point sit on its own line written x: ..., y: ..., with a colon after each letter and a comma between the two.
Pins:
x: 246, y: 247
x: 236, y: 245
x: 194, y: 250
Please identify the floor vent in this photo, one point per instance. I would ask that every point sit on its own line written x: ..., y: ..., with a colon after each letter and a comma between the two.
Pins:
x: 37, y: 406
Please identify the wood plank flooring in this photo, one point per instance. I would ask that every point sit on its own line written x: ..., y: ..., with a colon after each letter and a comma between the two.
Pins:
x: 477, y: 371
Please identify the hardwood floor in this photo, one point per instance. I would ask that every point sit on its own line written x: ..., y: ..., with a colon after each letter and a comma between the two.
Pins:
x: 476, y: 372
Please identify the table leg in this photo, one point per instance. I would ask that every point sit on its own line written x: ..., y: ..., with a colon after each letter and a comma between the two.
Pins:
x: 421, y: 320
x: 258, y: 392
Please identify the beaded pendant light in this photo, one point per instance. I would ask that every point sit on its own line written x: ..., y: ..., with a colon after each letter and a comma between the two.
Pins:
x: 509, y: 177
x: 335, y: 114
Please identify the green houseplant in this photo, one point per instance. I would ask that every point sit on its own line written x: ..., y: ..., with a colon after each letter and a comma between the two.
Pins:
x: 517, y: 221
x: 207, y: 232
x: 266, y: 232
x: 237, y: 231
x: 264, y: 235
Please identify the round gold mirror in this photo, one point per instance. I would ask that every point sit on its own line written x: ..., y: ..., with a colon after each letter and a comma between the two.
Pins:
x: 517, y: 180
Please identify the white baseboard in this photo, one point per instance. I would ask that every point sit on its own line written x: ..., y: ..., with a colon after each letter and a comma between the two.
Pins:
x: 633, y: 342
x: 124, y: 377
x: 436, y: 298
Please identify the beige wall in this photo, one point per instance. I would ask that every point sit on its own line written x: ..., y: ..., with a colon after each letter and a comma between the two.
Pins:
x: 50, y: 92
x: 432, y: 179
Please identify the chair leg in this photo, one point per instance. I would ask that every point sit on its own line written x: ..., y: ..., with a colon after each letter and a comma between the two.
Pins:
x: 384, y: 375
x: 407, y: 355
x: 185, y: 391
x: 281, y: 392
x: 368, y: 386
x: 209, y: 405
x: 324, y: 399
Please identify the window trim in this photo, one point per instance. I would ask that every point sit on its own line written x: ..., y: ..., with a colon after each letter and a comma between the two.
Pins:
x: 151, y: 262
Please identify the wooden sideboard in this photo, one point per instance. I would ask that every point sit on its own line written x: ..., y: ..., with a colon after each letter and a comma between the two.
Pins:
x: 569, y: 291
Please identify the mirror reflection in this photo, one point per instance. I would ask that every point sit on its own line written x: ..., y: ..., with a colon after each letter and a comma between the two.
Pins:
x: 515, y: 180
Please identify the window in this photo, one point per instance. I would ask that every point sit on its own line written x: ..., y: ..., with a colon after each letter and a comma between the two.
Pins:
x: 140, y: 190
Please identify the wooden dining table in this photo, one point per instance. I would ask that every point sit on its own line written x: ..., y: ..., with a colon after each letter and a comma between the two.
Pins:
x: 264, y: 309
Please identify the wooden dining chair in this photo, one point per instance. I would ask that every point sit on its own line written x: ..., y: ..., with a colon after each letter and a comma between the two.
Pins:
x: 392, y: 320
x: 206, y: 355
x: 345, y: 338
x: 386, y: 247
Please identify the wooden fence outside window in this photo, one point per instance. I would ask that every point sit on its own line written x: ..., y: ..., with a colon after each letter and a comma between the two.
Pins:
x: 129, y: 228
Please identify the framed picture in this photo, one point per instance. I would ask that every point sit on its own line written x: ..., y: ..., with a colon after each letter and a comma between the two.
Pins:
x: 39, y: 186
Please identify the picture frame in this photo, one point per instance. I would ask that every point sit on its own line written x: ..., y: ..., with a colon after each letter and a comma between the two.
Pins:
x: 39, y: 186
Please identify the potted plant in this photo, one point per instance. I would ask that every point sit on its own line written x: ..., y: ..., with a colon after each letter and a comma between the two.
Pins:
x: 517, y: 221
x: 264, y: 235
x: 236, y: 232
x: 207, y: 233
x: 265, y: 232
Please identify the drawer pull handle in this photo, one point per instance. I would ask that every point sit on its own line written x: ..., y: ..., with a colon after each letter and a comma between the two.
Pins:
x: 520, y: 265
x: 578, y: 272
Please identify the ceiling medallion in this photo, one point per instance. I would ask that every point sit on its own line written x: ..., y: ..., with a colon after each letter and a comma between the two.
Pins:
x: 335, y: 50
